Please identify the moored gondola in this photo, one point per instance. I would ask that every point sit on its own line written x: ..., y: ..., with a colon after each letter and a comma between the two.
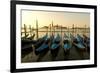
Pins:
x: 24, y: 37
x: 31, y: 37
x: 78, y: 42
x: 26, y: 50
x: 44, y: 47
x: 55, y: 44
x: 87, y: 43
x: 25, y: 42
x: 66, y: 44
x: 26, y: 45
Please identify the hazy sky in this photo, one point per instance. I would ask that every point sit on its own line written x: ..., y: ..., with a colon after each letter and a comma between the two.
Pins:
x: 45, y: 18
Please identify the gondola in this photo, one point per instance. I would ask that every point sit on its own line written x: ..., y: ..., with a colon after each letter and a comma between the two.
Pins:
x: 31, y: 37
x: 79, y: 43
x: 26, y: 50
x: 55, y: 44
x: 26, y: 45
x: 25, y: 42
x: 66, y: 44
x: 24, y: 37
x: 40, y: 41
x: 44, y: 47
x: 72, y: 38
x: 87, y: 42
x: 80, y: 39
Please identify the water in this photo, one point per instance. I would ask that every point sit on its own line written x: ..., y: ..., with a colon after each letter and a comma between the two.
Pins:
x: 42, y: 32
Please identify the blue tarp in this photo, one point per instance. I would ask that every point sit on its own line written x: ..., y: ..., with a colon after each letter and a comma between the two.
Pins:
x: 42, y: 47
x: 67, y: 46
x: 54, y: 46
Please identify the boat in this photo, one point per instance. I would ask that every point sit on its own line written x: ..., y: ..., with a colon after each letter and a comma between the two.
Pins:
x: 40, y: 41
x: 26, y: 50
x: 26, y: 46
x: 44, y: 47
x: 24, y: 37
x: 87, y: 42
x: 72, y: 38
x: 80, y: 39
x: 55, y: 44
x: 79, y: 43
x: 25, y: 42
x: 31, y: 37
x: 66, y: 44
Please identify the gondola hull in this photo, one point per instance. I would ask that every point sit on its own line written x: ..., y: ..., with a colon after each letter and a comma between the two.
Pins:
x: 67, y: 44
x: 43, y: 46
x: 66, y: 48
x: 27, y: 42
x: 55, y: 44
x: 41, y: 49
x: 26, y: 50
x: 54, y: 48
x: 80, y: 47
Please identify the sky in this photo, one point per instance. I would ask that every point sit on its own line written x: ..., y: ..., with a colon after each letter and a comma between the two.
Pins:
x: 45, y: 18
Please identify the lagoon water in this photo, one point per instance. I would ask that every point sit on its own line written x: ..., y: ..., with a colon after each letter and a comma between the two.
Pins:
x: 42, y: 32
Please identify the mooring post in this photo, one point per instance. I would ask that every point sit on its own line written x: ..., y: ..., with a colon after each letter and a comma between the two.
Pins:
x: 61, y: 37
x: 68, y: 31
x: 37, y: 28
x: 25, y: 31
x: 47, y: 30
x: 73, y: 29
x: 85, y: 30
x: 54, y: 30
x: 30, y: 30
x: 50, y: 29
x: 61, y: 31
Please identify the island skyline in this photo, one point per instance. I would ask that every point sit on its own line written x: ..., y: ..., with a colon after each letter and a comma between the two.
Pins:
x: 45, y: 18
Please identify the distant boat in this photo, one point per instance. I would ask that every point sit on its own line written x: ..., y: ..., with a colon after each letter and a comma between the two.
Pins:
x: 44, y: 46
x: 66, y: 44
x: 55, y: 44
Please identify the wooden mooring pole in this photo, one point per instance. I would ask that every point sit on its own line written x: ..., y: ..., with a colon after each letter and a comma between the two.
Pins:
x: 85, y: 30
x: 50, y: 29
x: 25, y: 30
x: 73, y: 29
x: 47, y: 30
x: 30, y: 30
x: 37, y: 28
